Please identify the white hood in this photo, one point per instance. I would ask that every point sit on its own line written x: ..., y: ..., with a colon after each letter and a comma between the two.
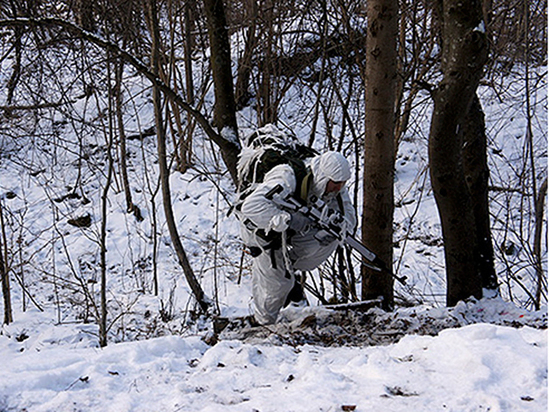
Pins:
x: 328, y: 166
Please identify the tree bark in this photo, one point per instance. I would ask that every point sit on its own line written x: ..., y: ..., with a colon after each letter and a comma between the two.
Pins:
x: 380, y: 87
x: 463, y: 57
x: 477, y: 179
x: 225, y: 117
x: 6, y: 290
x: 244, y: 71
x: 188, y: 52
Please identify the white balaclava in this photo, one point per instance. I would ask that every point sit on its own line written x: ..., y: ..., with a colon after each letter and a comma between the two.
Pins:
x: 328, y: 166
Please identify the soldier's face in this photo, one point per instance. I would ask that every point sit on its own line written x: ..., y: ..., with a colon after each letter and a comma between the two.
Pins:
x: 334, y: 187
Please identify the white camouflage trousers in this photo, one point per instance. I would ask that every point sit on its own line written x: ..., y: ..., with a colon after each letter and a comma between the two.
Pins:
x: 272, y: 283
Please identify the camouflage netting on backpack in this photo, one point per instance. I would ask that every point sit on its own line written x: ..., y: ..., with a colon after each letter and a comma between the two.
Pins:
x: 269, y: 147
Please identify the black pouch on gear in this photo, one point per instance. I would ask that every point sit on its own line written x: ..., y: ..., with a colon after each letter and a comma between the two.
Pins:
x: 255, y: 251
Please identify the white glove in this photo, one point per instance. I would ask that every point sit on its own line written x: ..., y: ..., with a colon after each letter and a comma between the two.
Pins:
x: 279, y: 222
x: 338, y: 221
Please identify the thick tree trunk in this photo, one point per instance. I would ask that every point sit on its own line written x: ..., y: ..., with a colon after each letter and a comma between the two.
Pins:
x: 381, y: 66
x: 220, y: 59
x: 477, y: 178
x: 464, y: 55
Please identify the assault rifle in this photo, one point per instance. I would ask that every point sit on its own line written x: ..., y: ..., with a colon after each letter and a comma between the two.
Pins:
x: 329, y: 222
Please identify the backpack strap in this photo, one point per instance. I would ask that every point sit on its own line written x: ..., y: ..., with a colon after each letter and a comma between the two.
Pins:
x: 302, y: 189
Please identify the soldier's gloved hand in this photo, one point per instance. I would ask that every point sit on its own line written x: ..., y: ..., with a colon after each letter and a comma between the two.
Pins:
x: 279, y: 222
x: 345, y: 227
x: 335, y: 221
x: 339, y: 223
x: 325, y: 238
x: 299, y: 222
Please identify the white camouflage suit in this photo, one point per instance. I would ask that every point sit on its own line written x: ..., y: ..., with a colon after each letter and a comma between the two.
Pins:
x: 272, y: 283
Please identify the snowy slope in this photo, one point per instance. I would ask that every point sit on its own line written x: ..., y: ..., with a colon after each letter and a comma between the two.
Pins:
x: 479, y: 367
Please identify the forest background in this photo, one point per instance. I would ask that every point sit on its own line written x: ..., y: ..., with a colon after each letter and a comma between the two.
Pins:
x: 121, y: 124
x: 118, y: 122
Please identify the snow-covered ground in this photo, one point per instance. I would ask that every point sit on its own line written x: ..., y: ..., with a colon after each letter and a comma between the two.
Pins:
x: 477, y: 367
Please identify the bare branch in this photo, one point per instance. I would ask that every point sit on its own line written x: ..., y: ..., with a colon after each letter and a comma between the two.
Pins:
x: 142, y: 68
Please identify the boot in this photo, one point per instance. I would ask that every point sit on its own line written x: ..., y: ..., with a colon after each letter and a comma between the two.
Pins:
x: 296, y: 294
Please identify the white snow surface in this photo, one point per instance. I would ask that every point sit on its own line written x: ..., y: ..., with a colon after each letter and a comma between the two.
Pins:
x: 476, y: 367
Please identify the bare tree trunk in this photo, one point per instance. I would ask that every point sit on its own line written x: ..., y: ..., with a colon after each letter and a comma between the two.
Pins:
x: 6, y: 290
x: 164, y: 170
x: 186, y: 142
x: 224, y: 112
x: 380, y: 87
x: 103, y: 231
x: 103, y: 247
x: 225, y: 117
x: 242, y: 95
x: 130, y: 206
x: 539, y: 220
x: 463, y: 57
x: 477, y: 179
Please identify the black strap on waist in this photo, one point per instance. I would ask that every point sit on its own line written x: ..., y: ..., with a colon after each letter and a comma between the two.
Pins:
x: 275, y: 242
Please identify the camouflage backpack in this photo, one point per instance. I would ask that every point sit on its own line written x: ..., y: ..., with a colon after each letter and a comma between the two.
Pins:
x: 269, y: 147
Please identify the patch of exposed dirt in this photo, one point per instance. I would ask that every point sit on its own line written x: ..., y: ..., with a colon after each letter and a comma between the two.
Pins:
x: 351, y: 327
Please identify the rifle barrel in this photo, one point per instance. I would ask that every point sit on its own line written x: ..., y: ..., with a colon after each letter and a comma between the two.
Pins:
x: 313, y: 213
